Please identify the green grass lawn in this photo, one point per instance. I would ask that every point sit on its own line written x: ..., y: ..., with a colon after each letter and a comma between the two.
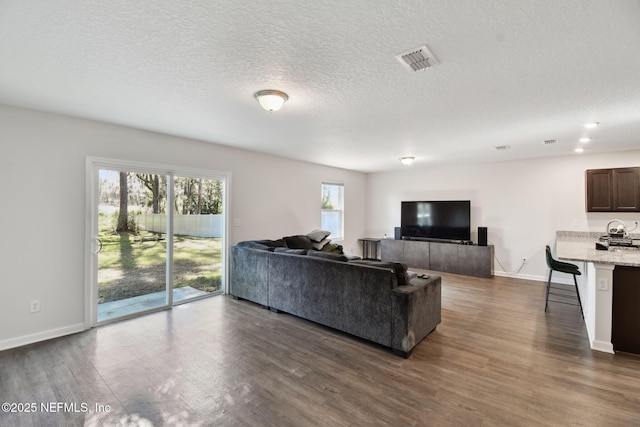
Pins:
x: 135, y: 264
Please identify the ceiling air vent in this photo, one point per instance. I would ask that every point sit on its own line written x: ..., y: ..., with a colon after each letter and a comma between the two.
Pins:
x: 417, y: 59
x: 549, y: 141
x: 502, y: 147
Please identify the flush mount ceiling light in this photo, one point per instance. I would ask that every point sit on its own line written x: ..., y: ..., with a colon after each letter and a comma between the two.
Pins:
x: 407, y: 160
x: 271, y: 100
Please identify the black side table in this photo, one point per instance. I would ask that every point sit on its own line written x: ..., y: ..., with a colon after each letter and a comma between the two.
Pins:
x: 370, y: 248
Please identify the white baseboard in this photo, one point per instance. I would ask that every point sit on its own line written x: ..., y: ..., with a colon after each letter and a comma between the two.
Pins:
x: 560, y: 280
x: 603, y: 346
x: 520, y: 276
x: 41, y: 336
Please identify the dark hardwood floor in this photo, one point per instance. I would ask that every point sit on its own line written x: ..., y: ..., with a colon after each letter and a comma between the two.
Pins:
x: 496, y: 359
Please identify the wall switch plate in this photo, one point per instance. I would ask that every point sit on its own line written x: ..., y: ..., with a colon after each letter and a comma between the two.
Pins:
x: 603, y: 284
x: 35, y: 306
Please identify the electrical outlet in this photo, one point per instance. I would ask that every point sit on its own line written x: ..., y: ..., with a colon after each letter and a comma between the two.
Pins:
x: 35, y: 306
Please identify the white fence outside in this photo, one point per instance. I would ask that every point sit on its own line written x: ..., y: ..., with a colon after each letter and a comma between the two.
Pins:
x: 184, y: 225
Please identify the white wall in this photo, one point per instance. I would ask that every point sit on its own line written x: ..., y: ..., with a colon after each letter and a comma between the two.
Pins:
x: 42, y: 244
x: 522, y: 203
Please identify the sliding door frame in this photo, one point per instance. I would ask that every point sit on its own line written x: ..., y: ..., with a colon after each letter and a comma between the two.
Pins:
x: 93, y: 166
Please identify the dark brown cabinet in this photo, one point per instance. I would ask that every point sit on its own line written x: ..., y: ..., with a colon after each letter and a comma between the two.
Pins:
x: 613, y: 190
x: 626, y: 190
x: 600, y: 190
x: 625, y: 318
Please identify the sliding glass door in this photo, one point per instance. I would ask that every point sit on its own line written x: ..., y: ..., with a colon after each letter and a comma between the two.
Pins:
x: 132, y: 263
x: 157, y: 238
x: 198, y: 237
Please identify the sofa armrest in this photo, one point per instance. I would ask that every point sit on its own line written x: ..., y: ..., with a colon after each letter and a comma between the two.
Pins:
x: 415, y: 311
x: 250, y: 274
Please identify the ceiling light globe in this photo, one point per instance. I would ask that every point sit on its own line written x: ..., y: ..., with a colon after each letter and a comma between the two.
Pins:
x: 407, y: 160
x: 271, y: 100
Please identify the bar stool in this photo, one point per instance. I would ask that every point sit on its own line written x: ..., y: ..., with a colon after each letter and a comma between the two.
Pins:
x: 563, y: 267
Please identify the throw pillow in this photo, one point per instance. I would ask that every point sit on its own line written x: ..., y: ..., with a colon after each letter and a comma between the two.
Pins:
x: 298, y: 242
x: 318, y: 235
x: 319, y: 245
x: 327, y: 255
x: 332, y: 247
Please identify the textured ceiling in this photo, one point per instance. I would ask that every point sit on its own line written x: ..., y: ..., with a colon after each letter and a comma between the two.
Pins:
x: 510, y: 73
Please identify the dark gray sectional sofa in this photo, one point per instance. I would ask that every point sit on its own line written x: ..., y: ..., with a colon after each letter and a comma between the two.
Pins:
x: 376, y: 301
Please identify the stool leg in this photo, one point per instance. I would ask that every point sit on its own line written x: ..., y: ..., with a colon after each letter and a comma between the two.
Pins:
x: 546, y: 300
x: 578, y: 294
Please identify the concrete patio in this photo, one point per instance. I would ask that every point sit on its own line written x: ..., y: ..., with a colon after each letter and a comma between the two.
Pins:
x: 115, y: 309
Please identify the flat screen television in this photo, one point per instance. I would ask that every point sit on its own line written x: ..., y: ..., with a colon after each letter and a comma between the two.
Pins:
x: 437, y: 220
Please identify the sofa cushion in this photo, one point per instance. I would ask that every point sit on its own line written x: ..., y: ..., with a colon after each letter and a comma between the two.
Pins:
x: 298, y: 242
x: 273, y: 243
x: 318, y: 235
x: 291, y: 251
x: 254, y: 244
x: 400, y: 270
x: 327, y: 255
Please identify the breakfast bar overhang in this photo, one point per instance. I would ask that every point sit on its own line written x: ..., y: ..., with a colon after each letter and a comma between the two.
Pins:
x: 599, y: 282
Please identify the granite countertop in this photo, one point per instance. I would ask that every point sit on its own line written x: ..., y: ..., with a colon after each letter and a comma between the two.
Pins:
x: 581, y: 246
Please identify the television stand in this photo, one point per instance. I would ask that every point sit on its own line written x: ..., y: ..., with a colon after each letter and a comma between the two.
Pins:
x: 466, y: 259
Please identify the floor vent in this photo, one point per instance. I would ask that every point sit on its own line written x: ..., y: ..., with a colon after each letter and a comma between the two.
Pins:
x: 417, y: 59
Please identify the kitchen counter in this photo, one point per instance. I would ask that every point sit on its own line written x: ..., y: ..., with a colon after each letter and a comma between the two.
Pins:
x: 597, y: 282
x: 581, y: 246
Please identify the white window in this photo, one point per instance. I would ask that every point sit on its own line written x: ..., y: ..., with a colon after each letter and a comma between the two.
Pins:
x: 333, y: 209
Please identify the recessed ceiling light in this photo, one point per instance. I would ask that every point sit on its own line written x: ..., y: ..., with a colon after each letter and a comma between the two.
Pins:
x: 579, y: 150
x: 584, y: 140
x: 591, y: 125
